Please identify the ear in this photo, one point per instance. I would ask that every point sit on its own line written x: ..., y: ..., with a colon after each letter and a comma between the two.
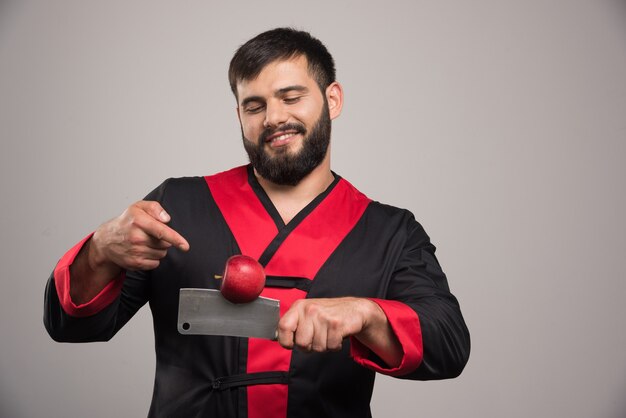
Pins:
x: 238, y: 114
x: 334, y: 96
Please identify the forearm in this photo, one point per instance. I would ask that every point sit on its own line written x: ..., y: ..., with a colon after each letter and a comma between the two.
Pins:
x: 90, y: 274
x: 100, y: 316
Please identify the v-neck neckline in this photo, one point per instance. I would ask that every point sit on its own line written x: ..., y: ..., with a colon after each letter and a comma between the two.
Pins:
x: 271, y: 209
x: 283, y: 229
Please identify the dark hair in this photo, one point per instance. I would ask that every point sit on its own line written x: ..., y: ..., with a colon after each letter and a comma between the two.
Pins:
x: 281, y: 44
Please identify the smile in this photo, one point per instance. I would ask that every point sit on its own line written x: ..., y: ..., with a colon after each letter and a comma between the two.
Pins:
x: 280, y: 139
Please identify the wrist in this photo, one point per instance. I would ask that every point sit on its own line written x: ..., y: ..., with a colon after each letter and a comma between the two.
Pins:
x: 373, y: 315
x: 97, y: 260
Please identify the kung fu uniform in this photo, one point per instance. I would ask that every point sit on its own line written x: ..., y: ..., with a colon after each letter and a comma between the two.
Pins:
x: 341, y: 244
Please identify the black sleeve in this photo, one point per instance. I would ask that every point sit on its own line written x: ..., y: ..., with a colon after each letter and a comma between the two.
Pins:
x: 419, y: 282
x: 105, y: 324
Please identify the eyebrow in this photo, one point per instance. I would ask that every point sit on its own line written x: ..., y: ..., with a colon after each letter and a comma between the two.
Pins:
x: 278, y: 93
x: 251, y: 99
x: 285, y: 90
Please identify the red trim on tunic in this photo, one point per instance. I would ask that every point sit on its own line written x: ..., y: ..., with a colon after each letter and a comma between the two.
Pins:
x: 62, y: 283
x: 243, y: 211
x: 302, y: 254
x: 406, y: 325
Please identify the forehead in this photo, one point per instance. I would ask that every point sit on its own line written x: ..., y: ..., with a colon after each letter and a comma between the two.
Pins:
x: 275, y: 76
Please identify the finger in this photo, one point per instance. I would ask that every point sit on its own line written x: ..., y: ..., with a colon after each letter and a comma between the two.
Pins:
x: 151, y: 253
x: 138, y: 238
x: 157, y: 244
x: 140, y: 257
x: 162, y: 232
x: 334, y: 339
x: 319, y: 340
x: 154, y: 209
x: 139, y: 263
x: 335, y: 331
x: 287, y: 327
x: 305, y: 330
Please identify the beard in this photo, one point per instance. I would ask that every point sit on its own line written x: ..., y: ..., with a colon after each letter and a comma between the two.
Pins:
x: 285, y: 168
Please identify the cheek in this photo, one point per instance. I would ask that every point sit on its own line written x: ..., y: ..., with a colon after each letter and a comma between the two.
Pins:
x: 309, y: 112
x: 250, y: 129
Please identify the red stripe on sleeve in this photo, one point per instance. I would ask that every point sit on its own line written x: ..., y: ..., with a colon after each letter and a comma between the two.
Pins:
x: 406, y: 325
x: 62, y: 284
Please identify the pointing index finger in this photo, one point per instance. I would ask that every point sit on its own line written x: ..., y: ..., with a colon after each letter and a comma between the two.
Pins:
x: 163, y: 232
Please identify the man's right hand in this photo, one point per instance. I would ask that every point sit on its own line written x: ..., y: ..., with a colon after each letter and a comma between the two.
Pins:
x: 136, y: 240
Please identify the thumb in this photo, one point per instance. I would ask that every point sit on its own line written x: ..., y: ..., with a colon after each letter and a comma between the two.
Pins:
x: 155, y: 210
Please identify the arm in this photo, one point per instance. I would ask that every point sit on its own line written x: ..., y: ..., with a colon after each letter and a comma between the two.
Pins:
x: 419, y: 287
x: 422, y: 334
x: 83, y: 293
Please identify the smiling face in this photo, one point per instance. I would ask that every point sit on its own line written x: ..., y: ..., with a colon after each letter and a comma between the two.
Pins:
x: 285, y: 120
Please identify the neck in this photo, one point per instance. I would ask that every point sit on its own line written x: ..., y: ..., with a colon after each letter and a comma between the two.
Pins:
x: 289, y: 200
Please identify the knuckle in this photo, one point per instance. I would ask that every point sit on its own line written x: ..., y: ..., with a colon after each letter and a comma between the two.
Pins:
x: 283, y: 327
x: 159, y: 234
x: 133, y: 220
x: 311, y: 309
x: 134, y: 238
x: 133, y: 209
x: 333, y: 323
x: 152, y: 207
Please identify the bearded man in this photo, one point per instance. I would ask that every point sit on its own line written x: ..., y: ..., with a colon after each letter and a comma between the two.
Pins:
x: 369, y: 297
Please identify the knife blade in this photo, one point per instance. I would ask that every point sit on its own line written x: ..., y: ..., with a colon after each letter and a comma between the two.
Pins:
x: 206, y: 312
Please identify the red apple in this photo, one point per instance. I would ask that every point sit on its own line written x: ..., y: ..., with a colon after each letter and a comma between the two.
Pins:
x: 244, y: 279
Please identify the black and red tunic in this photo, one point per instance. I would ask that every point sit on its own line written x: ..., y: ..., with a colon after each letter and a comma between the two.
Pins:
x: 341, y: 244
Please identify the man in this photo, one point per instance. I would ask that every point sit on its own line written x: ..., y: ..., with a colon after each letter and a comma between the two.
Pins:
x: 369, y: 295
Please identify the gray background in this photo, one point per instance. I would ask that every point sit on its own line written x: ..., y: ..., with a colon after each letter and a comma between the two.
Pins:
x: 500, y: 124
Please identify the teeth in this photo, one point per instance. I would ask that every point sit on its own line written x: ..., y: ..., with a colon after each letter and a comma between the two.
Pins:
x: 282, y: 137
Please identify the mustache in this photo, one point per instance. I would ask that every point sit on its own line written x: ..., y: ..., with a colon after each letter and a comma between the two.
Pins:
x: 297, y: 127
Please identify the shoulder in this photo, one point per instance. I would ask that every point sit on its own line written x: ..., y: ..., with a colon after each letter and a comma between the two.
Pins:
x: 175, y: 186
x: 195, y: 183
x: 391, y: 220
x: 394, y: 215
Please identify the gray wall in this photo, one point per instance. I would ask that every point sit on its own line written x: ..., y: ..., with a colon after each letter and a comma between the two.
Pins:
x: 500, y: 124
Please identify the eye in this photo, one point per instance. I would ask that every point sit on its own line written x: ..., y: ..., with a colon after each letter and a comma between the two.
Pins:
x: 291, y: 100
x: 253, y: 109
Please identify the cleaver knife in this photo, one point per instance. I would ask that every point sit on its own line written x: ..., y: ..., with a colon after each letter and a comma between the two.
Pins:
x: 207, y: 312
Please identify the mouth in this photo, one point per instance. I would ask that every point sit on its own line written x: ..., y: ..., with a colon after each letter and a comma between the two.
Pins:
x: 281, y: 138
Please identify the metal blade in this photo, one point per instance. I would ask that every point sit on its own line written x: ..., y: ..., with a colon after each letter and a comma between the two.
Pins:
x: 206, y: 312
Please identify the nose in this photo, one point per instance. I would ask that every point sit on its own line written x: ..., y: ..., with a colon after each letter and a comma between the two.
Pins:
x: 275, y: 115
